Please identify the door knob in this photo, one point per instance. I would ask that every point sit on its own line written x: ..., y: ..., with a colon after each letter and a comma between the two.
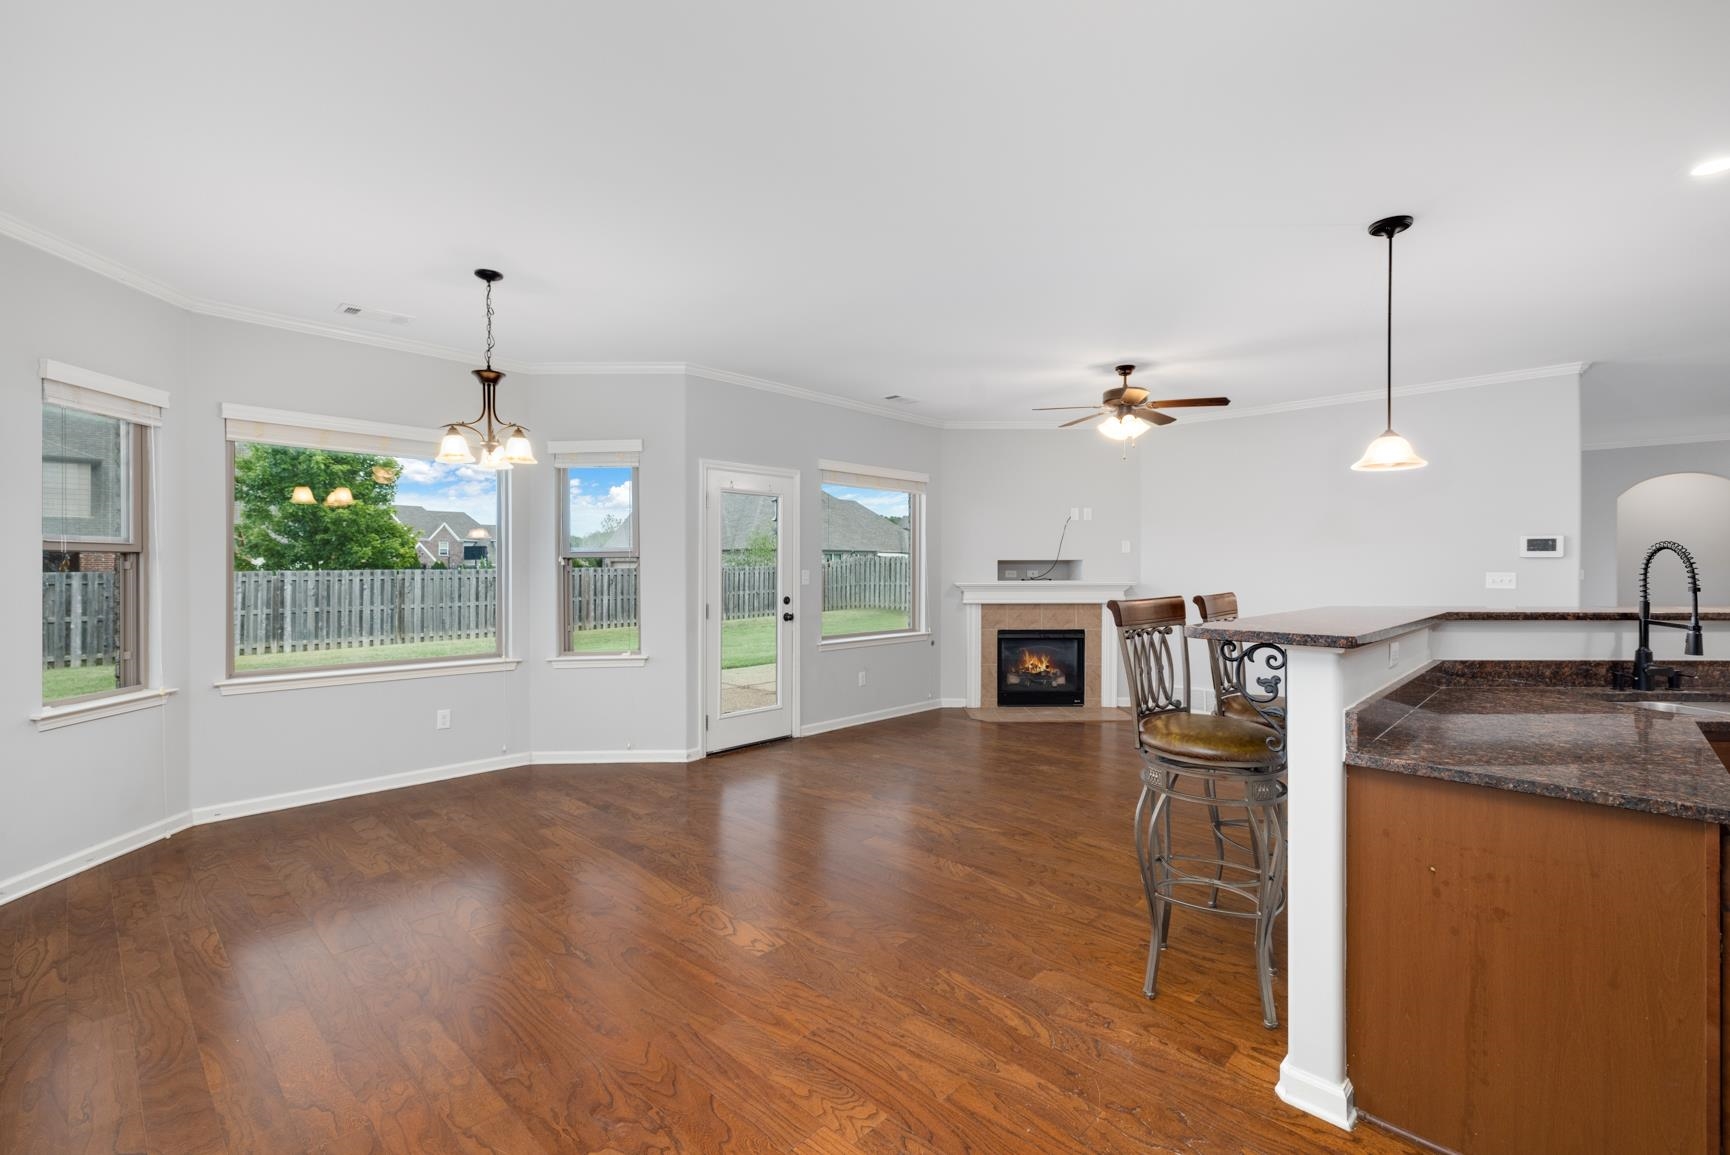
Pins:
x: 786, y: 617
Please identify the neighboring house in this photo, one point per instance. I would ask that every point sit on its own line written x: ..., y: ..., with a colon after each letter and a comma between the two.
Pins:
x: 448, y: 537
x: 849, y: 530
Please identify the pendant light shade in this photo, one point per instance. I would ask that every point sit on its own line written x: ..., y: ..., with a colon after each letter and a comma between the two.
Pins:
x: 1390, y: 451
x: 302, y: 495
x: 498, y: 449
x: 339, y: 497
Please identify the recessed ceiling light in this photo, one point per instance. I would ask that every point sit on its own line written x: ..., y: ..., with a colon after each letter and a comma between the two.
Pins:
x: 1711, y: 167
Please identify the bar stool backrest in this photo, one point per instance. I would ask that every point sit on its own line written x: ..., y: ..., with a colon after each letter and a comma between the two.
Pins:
x: 1158, y: 678
x: 1217, y: 608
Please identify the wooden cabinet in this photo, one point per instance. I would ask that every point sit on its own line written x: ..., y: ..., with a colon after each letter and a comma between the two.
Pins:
x: 1526, y: 974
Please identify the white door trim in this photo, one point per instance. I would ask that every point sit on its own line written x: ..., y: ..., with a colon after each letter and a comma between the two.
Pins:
x: 790, y: 542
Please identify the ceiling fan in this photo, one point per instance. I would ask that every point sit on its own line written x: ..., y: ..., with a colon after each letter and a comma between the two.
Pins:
x: 1128, y: 413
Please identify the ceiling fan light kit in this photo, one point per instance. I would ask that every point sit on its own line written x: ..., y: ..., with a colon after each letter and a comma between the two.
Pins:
x: 1389, y: 452
x: 503, y: 443
x: 1127, y: 413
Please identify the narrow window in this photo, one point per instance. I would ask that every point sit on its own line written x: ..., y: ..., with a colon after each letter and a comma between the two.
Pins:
x: 873, y: 551
x: 599, y: 547
x: 96, y: 445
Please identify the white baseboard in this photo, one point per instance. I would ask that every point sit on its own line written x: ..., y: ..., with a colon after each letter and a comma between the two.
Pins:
x: 349, y: 789
x: 952, y: 703
x: 610, y: 757
x: 1326, y: 1099
x: 38, y: 877
x: 873, y: 716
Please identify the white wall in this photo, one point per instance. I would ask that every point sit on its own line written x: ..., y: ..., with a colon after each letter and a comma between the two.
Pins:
x: 1605, y: 474
x: 726, y: 422
x: 1268, y: 506
x: 1006, y: 494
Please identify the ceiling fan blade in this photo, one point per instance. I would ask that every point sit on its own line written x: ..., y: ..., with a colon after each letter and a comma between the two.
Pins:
x: 1186, y: 402
x: 1154, y: 416
x: 1055, y: 408
x: 1078, y: 421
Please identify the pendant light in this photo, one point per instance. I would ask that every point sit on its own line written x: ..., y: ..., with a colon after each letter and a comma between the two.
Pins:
x: 1390, y: 451
x: 495, y: 453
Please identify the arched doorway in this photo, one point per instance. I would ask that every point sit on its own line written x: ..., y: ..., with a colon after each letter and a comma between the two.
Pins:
x: 1691, y: 508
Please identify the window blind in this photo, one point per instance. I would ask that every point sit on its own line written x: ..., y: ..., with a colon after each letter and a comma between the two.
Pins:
x: 311, y: 431
x: 573, y: 454
x: 869, y: 477
x: 83, y: 389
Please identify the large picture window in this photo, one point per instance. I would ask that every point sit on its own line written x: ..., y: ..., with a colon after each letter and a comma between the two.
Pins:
x: 357, y: 549
x: 873, y: 547
x: 94, y: 495
x: 599, y: 555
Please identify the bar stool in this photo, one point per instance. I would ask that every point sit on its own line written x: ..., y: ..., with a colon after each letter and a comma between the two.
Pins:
x: 1228, y: 698
x: 1186, y: 758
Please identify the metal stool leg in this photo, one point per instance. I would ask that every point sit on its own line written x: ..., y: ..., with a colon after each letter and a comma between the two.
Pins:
x: 1152, y: 844
x: 1214, y: 824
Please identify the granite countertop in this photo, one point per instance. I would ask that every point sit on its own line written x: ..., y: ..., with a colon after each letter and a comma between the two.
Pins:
x: 1349, y: 627
x: 1555, y: 729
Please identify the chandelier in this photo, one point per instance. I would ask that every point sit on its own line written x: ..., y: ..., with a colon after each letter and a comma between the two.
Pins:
x: 496, y: 451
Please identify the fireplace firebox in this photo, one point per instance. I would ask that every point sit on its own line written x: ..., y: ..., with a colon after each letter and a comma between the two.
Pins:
x: 1041, y: 667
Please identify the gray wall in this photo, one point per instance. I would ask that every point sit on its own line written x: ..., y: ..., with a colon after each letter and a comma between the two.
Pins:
x: 73, y: 788
x: 1269, y: 507
x: 1605, y: 474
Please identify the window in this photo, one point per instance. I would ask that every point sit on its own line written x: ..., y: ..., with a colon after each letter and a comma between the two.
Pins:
x: 598, y: 547
x: 341, y: 547
x: 873, y: 551
x: 96, y: 443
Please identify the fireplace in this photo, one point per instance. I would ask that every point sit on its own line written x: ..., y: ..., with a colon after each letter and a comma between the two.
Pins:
x: 1041, y: 667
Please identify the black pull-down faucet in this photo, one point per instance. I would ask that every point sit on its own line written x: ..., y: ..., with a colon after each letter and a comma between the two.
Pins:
x: 1693, y: 646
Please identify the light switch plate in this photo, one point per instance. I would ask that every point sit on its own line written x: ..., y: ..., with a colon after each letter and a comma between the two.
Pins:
x: 1500, y: 581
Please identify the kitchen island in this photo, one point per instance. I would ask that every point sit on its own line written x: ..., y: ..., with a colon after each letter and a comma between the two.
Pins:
x: 1332, y: 660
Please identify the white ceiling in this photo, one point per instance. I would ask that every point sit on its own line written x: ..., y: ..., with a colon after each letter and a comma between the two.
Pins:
x: 980, y: 205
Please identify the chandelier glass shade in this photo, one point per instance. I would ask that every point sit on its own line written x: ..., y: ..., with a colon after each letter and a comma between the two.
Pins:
x: 501, y: 443
x: 1124, y: 427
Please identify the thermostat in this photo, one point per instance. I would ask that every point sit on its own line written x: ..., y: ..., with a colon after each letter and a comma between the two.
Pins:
x: 1541, y: 545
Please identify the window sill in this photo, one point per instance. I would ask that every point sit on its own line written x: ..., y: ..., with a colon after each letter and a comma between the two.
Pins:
x: 596, y: 661
x: 354, y: 675
x: 55, y: 717
x: 863, y: 640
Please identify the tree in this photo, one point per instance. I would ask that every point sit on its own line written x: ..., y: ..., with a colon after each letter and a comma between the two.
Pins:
x: 270, y: 532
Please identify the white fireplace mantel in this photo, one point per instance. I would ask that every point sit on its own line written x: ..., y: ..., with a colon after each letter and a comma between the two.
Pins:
x: 977, y: 594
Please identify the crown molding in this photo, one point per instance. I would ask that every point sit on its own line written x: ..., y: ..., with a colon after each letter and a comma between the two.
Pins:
x: 1659, y: 439
x: 84, y: 258
x: 728, y: 377
x: 1542, y: 372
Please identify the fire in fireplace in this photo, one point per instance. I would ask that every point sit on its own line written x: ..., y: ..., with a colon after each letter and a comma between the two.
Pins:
x: 1041, y: 667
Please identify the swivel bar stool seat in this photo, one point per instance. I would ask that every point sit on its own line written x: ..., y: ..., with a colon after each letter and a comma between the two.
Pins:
x: 1211, y: 761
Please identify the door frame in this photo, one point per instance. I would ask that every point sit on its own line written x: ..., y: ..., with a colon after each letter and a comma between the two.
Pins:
x: 790, y: 543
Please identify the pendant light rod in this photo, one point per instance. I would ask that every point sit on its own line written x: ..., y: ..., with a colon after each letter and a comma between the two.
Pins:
x: 1390, y: 451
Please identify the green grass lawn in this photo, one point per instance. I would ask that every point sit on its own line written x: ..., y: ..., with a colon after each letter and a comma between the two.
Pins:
x: 747, y: 641
x: 365, y: 655
x: 76, y: 682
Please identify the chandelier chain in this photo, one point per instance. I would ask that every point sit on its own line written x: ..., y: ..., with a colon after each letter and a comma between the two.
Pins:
x: 489, y: 324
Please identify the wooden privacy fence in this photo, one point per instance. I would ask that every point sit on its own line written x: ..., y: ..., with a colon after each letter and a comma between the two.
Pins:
x: 290, y: 611
x: 603, y: 599
x: 866, y: 582
x: 80, y: 619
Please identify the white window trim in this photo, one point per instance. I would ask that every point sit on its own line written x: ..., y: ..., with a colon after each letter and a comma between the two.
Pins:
x: 355, y: 675
x: 250, y: 423
x: 90, y: 709
x: 914, y: 485
x: 597, y: 661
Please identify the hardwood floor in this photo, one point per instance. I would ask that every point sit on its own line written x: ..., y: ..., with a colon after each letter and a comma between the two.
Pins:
x: 924, y: 935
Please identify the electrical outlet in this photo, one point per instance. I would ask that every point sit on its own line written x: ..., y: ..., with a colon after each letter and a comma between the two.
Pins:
x: 1126, y: 545
x: 442, y: 720
x: 1075, y: 513
x: 1087, y: 513
x: 1393, y: 654
x: 1500, y: 581
x: 804, y: 577
x: 861, y: 677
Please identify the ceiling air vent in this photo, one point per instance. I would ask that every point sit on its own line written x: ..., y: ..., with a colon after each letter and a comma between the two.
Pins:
x: 900, y: 400
x: 379, y: 315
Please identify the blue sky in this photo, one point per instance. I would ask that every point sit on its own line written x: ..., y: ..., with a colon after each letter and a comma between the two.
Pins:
x: 598, y: 493
x: 888, y: 502
x: 460, y: 487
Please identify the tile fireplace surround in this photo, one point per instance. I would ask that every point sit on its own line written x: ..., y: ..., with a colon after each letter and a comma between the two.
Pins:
x: 993, y: 606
